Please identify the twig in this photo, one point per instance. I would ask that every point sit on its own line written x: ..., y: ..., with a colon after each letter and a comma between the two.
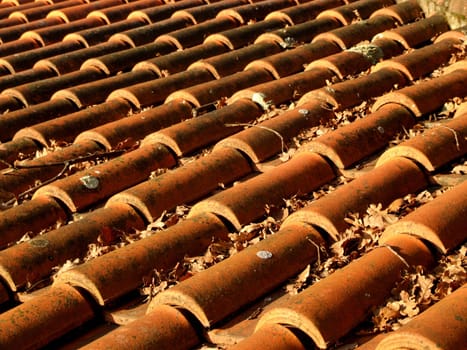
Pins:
x: 455, y: 135
x: 391, y: 249
x: 318, y: 249
x: 70, y: 161
x: 283, y: 145
x: 35, y: 188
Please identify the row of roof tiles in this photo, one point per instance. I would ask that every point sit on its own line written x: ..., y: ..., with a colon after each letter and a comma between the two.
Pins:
x: 213, y: 74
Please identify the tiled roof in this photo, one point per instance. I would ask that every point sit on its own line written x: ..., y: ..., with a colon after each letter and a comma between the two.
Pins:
x: 273, y: 174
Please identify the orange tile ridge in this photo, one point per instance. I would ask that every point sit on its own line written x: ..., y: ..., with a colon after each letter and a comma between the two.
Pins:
x: 440, y: 222
x: 246, y: 202
x: 256, y: 11
x: 271, y: 337
x: 179, y: 61
x: 212, y: 91
x: 303, y: 12
x: 74, y: 13
x: 15, y: 120
x: 12, y: 150
x: 362, y: 57
x: 166, y: 328
x: 208, y: 11
x: 217, y: 292
x: 26, y: 263
x: 31, y: 217
x: 285, y: 89
x: 93, y: 36
x: 433, y: 56
x: 435, y: 147
x: 353, y: 92
x: 13, y: 35
x: 19, y: 45
x: 97, y: 183
x: 55, y: 33
x: 67, y: 127
x: 442, y: 326
x: 292, y: 61
x: 148, y: 33
x: 352, y: 34
x: 42, y: 90
x: 155, y: 91
x: 162, y: 12
x: 419, y: 32
x: 21, y: 178
x: 270, y: 137
x: 123, y: 60
x: 356, y: 11
x: 322, y: 310
x: 236, y: 60
x: 384, y: 184
x: 21, y: 61
x: 97, y: 91
x: 112, y: 275
x: 184, y: 137
x: 244, y: 35
x: 44, y: 318
x: 26, y: 76
x: 127, y: 132
x: 404, y: 11
x: 71, y: 61
x: 300, y: 33
x: 351, y: 143
x: 427, y: 96
x: 195, y: 34
x: 36, y: 13
x: 185, y: 184
x: 116, y: 13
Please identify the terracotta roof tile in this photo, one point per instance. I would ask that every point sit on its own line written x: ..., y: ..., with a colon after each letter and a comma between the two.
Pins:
x: 24, y: 60
x: 72, y: 61
x: 194, y: 35
x: 244, y: 35
x: 401, y: 176
x: 36, y: 13
x: 191, y: 236
x: 94, y: 36
x: 185, y: 184
x: 179, y: 61
x: 183, y: 138
x: 42, y: 90
x: 439, y: 326
x: 66, y: 128
x: 178, y: 174
x: 55, y: 33
x: 71, y: 241
x: 303, y: 12
x: 156, y: 91
x: 73, y: 13
x: 89, y: 186
x: 97, y: 91
x: 11, y: 34
x: 16, y: 120
x: 124, y: 60
x: 48, y: 309
x: 158, y: 13
x: 270, y: 137
x: 320, y: 312
x: 117, y: 13
x: 130, y: 130
x: 21, y: 181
